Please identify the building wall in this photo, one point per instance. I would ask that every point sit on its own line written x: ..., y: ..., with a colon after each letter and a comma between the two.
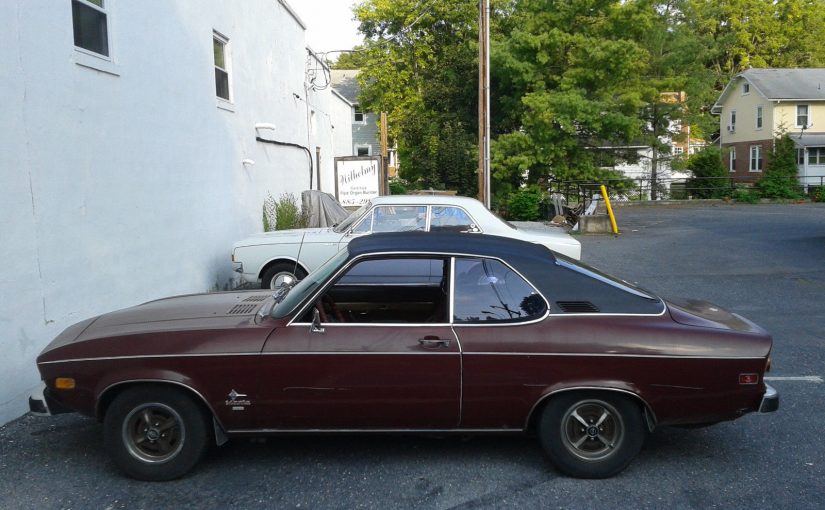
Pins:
x: 123, y: 181
x: 367, y: 133
x: 785, y: 116
x: 745, y: 106
x: 742, y: 171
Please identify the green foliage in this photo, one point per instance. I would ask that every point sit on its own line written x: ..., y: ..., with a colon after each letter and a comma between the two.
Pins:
x: 283, y: 213
x: 745, y: 195
x: 398, y: 187
x: 523, y: 205
x: 710, y: 178
x: 817, y: 194
x: 780, y: 177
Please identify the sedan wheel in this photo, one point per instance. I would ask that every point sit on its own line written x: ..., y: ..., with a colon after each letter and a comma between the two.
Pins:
x: 591, y: 435
x: 281, y: 273
x: 155, y: 433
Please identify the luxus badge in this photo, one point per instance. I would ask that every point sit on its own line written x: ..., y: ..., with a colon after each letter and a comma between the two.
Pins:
x: 238, y: 401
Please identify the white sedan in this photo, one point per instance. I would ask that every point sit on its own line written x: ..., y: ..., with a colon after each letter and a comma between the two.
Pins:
x: 271, y: 258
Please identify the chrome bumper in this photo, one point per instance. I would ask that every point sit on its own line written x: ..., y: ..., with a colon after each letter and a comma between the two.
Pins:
x: 770, y: 400
x: 237, y: 267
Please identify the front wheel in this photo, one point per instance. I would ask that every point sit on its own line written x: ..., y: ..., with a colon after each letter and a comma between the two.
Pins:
x: 155, y: 433
x: 590, y: 435
x: 280, y: 273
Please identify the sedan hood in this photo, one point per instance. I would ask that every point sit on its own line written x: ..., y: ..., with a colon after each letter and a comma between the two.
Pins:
x: 695, y: 312
x: 298, y: 235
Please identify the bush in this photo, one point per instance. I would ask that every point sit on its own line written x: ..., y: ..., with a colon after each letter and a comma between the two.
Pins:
x: 523, y: 205
x: 398, y: 187
x: 817, y: 194
x: 779, y: 179
x: 745, y: 195
x: 283, y: 214
x: 710, y: 178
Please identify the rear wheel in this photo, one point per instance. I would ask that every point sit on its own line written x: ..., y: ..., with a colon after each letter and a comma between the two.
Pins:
x: 281, y: 272
x: 591, y: 435
x: 155, y: 433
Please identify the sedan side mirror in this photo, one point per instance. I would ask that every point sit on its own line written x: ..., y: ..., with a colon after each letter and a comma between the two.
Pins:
x: 472, y: 229
x: 316, y: 327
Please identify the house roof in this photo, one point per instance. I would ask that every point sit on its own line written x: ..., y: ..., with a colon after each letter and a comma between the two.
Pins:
x: 345, y: 82
x: 780, y: 84
x: 809, y: 140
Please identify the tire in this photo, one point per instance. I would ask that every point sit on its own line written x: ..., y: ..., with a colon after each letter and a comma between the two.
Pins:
x: 280, y: 271
x: 591, y: 435
x: 176, y: 440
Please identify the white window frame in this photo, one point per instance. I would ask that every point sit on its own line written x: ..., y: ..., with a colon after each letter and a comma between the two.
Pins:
x: 678, y: 150
x: 807, y: 116
x: 106, y: 12
x: 759, y: 160
x: 820, y: 156
x: 227, y: 61
x: 362, y: 146
x: 97, y: 61
x: 732, y: 120
x: 357, y: 111
x: 732, y: 159
x: 759, y: 117
x: 746, y: 88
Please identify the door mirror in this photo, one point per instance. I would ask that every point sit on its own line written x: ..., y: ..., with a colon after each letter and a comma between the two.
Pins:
x: 473, y: 229
x: 316, y: 327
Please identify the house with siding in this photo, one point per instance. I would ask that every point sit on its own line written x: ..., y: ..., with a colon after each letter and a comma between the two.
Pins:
x: 759, y: 104
x: 135, y: 152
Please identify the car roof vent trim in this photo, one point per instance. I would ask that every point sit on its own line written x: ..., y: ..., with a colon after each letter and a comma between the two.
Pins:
x: 242, y: 310
x: 577, y: 307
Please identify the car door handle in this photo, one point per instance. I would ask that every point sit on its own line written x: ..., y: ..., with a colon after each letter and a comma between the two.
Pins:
x: 432, y: 342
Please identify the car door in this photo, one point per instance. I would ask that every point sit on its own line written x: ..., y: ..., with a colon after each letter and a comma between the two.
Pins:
x: 380, y: 355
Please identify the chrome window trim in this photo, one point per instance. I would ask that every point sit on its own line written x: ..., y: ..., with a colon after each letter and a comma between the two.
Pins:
x: 610, y: 355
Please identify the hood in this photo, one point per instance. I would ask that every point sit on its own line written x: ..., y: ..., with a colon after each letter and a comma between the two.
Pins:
x: 695, y: 312
x: 297, y: 235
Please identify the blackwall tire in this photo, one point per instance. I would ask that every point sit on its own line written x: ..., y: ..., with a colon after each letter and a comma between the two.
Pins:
x: 156, y: 433
x: 280, y: 272
x: 592, y: 435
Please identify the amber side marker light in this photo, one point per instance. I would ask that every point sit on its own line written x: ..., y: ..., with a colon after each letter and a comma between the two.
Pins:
x: 748, y: 378
x: 64, y: 383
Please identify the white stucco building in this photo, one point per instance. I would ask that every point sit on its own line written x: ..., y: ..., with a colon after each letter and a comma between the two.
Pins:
x: 128, y: 155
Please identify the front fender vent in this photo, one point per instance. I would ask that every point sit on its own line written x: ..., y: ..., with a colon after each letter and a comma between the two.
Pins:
x: 577, y: 307
x: 242, y: 310
x: 251, y: 299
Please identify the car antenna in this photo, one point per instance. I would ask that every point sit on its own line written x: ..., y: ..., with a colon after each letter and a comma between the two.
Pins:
x: 298, y: 257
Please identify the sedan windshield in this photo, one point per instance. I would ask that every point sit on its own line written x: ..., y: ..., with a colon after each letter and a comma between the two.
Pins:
x: 352, y: 218
x: 307, y: 286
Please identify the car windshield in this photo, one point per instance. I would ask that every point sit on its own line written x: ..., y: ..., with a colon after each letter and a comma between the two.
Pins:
x: 352, y: 218
x: 305, y: 287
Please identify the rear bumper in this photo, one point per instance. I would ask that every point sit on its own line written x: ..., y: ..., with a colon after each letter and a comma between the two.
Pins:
x: 41, y: 404
x: 770, y: 400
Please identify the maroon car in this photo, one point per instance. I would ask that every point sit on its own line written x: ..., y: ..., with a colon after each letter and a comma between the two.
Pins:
x: 411, y: 333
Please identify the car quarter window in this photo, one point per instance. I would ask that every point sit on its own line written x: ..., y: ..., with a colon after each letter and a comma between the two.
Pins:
x: 388, y: 291
x: 487, y: 291
x: 449, y: 219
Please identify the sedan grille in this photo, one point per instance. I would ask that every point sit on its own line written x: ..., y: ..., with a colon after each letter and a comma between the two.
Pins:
x: 577, y: 306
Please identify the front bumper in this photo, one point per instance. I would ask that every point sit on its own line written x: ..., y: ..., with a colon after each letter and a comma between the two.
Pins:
x: 770, y: 400
x: 41, y: 404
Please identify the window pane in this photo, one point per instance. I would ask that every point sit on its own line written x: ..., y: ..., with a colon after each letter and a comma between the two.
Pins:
x: 221, y: 84
x: 98, y: 3
x: 488, y: 291
x: 217, y: 49
x: 449, y: 219
x: 399, y: 218
x: 89, y: 26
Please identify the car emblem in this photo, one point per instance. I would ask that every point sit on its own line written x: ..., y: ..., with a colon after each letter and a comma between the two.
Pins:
x: 237, y: 400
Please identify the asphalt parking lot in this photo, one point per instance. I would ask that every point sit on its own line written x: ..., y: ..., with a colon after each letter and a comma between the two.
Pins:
x: 766, y: 262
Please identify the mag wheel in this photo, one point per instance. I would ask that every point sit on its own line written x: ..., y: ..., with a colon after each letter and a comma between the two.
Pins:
x: 591, y: 435
x: 279, y: 273
x: 155, y: 433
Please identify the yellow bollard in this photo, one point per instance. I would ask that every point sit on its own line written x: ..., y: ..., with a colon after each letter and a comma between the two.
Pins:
x: 609, y: 210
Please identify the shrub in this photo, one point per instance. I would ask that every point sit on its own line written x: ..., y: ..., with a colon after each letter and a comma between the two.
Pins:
x: 817, y: 194
x: 745, y: 195
x: 779, y: 179
x: 523, y: 205
x: 710, y: 178
x: 283, y: 214
x: 398, y: 187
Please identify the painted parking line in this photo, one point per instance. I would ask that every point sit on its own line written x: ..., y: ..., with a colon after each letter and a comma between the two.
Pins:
x: 803, y: 378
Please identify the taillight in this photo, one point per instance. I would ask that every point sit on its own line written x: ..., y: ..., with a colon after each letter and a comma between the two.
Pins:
x: 748, y: 378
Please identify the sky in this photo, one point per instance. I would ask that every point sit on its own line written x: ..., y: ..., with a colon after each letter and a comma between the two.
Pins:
x: 329, y: 24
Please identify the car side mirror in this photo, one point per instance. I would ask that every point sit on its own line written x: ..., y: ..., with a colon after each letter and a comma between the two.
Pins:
x: 472, y: 229
x: 316, y: 327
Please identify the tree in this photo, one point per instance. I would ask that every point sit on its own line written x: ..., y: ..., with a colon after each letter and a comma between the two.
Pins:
x: 780, y: 177
x: 710, y: 178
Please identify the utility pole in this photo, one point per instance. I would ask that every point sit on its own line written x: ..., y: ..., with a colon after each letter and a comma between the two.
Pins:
x: 484, y: 102
x: 384, y: 173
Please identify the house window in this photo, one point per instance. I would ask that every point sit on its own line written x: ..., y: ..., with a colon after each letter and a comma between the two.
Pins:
x: 816, y: 155
x: 746, y: 89
x: 802, y: 116
x: 90, y: 27
x: 363, y: 150
x: 732, y: 125
x: 732, y: 159
x: 756, y: 158
x: 800, y: 157
x: 678, y: 150
x: 758, y: 117
x: 359, y: 115
x: 219, y: 48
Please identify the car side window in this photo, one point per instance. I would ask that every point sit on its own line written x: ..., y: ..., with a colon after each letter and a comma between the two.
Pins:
x: 487, y: 291
x: 449, y: 219
x: 365, y: 226
x: 388, y: 291
x: 399, y: 218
